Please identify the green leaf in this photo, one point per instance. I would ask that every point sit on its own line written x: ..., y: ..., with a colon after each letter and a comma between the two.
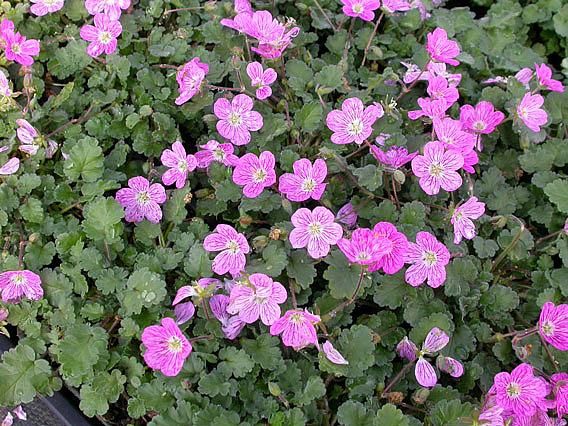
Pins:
x: 557, y: 192
x: 143, y: 289
x: 370, y: 176
x: 309, y: 117
x: 197, y: 264
x: 103, y: 220
x: 357, y: 346
x: 329, y: 78
x: 353, y: 413
x: 314, y: 389
x: 393, y: 291
x: 235, y: 362
x: 301, y: 269
x: 85, y: 160
x: 389, y: 415
x: 560, y: 20
x: 105, y: 388
x: 264, y: 350
x: 342, y: 276
x: 274, y: 260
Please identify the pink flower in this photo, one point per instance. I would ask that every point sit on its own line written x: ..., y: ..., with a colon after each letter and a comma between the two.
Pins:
x: 450, y: 366
x: 43, y: 7
x: 4, y: 313
x: 396, y: 156
x: 112, y: 8
x: 231, y: 325
x: 452, y: 134
x: 232, y: 246
x: 16, y: 46
x: 363, y: 248
x: 407, y: 349
x: 481, y: 119
x: 8, y: 420
x: 348, y: 216
x: 102, y: 36
x: 27, y: 135
x: 392, y: 6
x: 437, y: 168
x: 433, y: 69
x: 425, y: 373
x: 236, y: 119
x: 530, y: 112
x: 259, y: 298
x: 435, y: 341
x: 20, y: 413
x: 4, y: 85
x: 255, y: 173
x: 553, y: 325
x: 190, y: 78
x: 429, y: 258
x: 439, y: 89
x: 544, y: 76
x: 520, y: 391
x: 524, y: 76
x: 241, y: 7
x: 394, y: 246
x: 354, y: 122
x: 316, y: 230
x: 306, y: 182
x: 297, y: 328
x: 15, y: 285
x: 429, y: 108
x: 333, y: 354
x: 141, y: 200
x: 166, y: 347
x: 361, y: 8
x: 185, y: 311
x: 10, y: 167
x: 491, y: 414
x: 179, y: 164
x: 559, y: 382
x: 382, y: 138
x: 441, y: 49
x: 261, y: 79
x: 462, y: 219
x: 218, y: 152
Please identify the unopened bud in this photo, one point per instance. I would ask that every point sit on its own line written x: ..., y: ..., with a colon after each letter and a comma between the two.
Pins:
x: 499, y: 221
x: 245, y: 220
x: 187, y: 198
x: 275, y: 234
x: 399, y: 176
x: 202, y: 193
x: 33, y: 238
x: 274, y: 389
x: 421, y: 396
x: 395, y: 397
x: 210, y: 6
x: 259, y: 242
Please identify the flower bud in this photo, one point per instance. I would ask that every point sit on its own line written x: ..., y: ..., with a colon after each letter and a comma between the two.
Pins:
x: 245, y: 220
x: 202, y: 193
x: 395, y: 397
x: 210, y: 6
x: 421, y: 396
x: 499, y: 221
x: 274, y: 389
x: 260, y: 242
x: 399, y: 176
x: 187, y: 198
x: 33, y: 237
x: 275, y: 234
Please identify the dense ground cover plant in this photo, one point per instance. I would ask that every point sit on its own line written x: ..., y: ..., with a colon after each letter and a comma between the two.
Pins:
x: 286, y: 213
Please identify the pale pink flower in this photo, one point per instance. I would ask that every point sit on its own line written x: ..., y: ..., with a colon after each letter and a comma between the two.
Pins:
x: 407, y: 349
x: 429, y: 108
x: 419, y: 4
x: 231, y: 325
x: 354, y: 122
x: 435, y: 341
x: 315, y: 230
x: 306, y: 182
x: 437, y: 168
x: 232, y: 246
x: 297, y: 328
x: 43, y: 7
x: 255, y: 173
x: 16, y: 285
x: 236, y: 119
x: 10, y: 167
x: 433, y: 69
x: 559, y: 382
x: 496, y: 80
x: 530, y: 112
x: 190, y: 78
x: 241, y: 6
x: 439, y: 89
x: 382, y: 138
x: 348, y: 216
x: 481, y: 119
x: 363, y: 248
x: 16, y: 47
x: 20, y: 413
x: 544, y: 76
x: 141, y: 200
x: 361, y: 8
x: 450, y: 366
x: 428, y: 258
x: 28, y: 136
x: 112, y: 8
x: 8, y: 420
x: 214, y: 151
x: 102, y: 36
x: 553, y: 325
x: 392, y: 6
x: 520, y: 391
x: 395, y: 156
x: 425, y: 373
x: 451, y: 132
x: 333, y: 354
x: 441, y: 49
x: 5, y: 89
x: 185, y: 311
x: 4, y: 313
x: 261, y: 297
x: 524, y: 76
x: 463, y: 217
x: 166, y: 347
x: 179, y: 163
x: 261, y: 79
x: 394, y: 246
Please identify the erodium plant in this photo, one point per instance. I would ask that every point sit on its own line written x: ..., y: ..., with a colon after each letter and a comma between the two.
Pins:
x: 313, y: 212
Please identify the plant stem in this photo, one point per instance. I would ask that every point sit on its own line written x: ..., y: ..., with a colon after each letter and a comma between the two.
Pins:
x: 293, y: 294
x: 371, y: 38
x: 397, y: 378
x: 394, y: 192
x: 347, y: 302
x: 79, y: 120
x: 416, y: 80
x: 325, y: 16
x: 204, y: 337
x: 183, y: 9
x: 510, y: 247
x: 550, y: 356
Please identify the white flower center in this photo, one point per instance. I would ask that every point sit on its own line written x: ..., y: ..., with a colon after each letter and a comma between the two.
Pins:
x: 219, y: 154
x: 479, y: 125
x: 362, y: 256
x: 513, y: 390
x: 174, y: 344
x: 143, y: 198
x: 105, y: 37
x: 429, y: 258
x: 235, y: 119
x: 547, y: 328
x: 182, y: 166
x: 315, y: 229
x: 355, y: 128
x: 308, y: 185
x: 522, y: 112
x: 259, y: 175
x: 436, y: 169
x: 16, y: 48
x: 18, y: 280
x: 233, y: 247
x: 358, y: 8
x: 260, y: 300
x: 297, y: 318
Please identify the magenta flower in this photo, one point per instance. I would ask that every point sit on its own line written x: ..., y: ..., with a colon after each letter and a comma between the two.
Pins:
x: 520, y: 391
x: 102, y: 36
x: 306, y: 182
x: 463, y: 217
x: 43, y: 7
x: 261, y: 79
x: 435, y: 341
x: 333, y: 354
x: 395, y: 156
x: 544, y: 76
x: 429, y: 258
x: 241, y: 7
x: 232, y: 246
x: 524, y: 76
x: 190, y: 78
x: 441, y: 49
x: 439, y: 89
x: 255, y: 173
x: 354, y: 122
x: 179, y: 164
x: 20, y: 413
x: 348, y: 216
x: 530, y: 112
x: 112, y: 8
x: 553, y: 325
x: 315, y: 230
x: 297, y: 328
x: 429, y: 108
x: 28, y: 137
x: 15, y: 285
x: 231, y: 325
x: 5, y: 89
x: 450, y: 366
x: 407, y: 349
x: 141, y: 200
x: 425, y: 373
x: 452, y: 134
x: 185, y: 311
x: 16, y: 47
x: 433, y: 69
x: 394, y: 246
x: 259, y: 298
x: 236, y: 119
x: 214, y: 151
x: 559, y: 382
x: 392, y: 6
x: 10, y: 167
x: 481, y: 119
x: 363, y: 248
x: 361, y: 8
x: 166, y: 347
x: 437, y: 168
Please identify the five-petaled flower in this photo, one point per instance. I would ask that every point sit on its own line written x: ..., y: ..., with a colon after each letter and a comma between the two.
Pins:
x: 237, y: 119
x: 306, y: 182
x: 102, y: 36
x: 553, y: 325
x: 437, y: 168
x: 232, y: 246
x: 43, y: 7
x: 530, y: 112
x: 16, y: 47
x: 141, y: 200
x: 428, y: 258
x: 363, y: 248
x: 261, y: 79
x: 462, y: 219
x: 315, y: 230
x: 190, y: 78
x: 214, y: 151
x: 363, y: 9
x: 441, y: 49
x: 394, y: 246
x: 353, y: 122
x: 297, y: 328
x: 255, y: 173
x: 16, y: 285
x: 179, y: 163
